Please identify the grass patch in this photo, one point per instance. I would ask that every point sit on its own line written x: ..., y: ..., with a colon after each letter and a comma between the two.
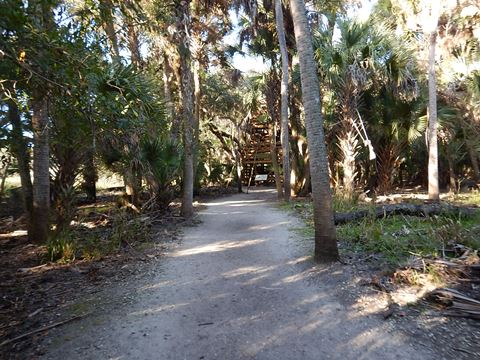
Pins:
x: 121, y: 230
x: 397, y: 238
x: 468, y: 199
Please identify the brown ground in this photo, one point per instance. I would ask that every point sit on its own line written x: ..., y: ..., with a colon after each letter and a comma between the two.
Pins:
x: 107, y: 289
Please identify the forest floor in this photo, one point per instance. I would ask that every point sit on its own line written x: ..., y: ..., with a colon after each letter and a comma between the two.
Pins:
x: 242, y: 285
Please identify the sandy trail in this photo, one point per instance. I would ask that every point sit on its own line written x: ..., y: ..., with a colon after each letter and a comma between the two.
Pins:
x: 240, y: 286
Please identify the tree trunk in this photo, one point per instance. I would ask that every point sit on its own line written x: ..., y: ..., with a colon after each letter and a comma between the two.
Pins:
x: 20, y: 151
x: 183, y: 26
x: 41, y: 163
x: 348, y: 144
x: 177, y: 122
x: 90, y: 177
x: 133, y: 45
x: 238, y: 160
x: 106, y: 13
x: 451, y: 169
x: 3, y: 177
x: 433, y: 185
x: 284, y: 99
x: 474, y: 160
x: 167, y: 80
x: 325, y: 236
x: 132, y: 186
x: 274, y: 157
x: 196, y: 117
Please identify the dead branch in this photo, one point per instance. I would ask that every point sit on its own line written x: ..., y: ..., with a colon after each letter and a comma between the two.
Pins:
x: 423, y: 210
x: 45, y: 328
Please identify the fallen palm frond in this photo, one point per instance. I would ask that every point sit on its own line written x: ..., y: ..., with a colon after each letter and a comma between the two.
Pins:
x: 456, y: 303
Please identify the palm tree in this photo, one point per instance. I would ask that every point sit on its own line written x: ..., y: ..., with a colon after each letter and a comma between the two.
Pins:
x: 42, y: 17
x: 284, y: 99
x: 183, y: 25
x: 431, y: 30
x: 325, y: 235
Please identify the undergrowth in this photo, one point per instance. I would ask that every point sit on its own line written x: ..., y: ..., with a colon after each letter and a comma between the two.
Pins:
x: 397, y: 238
x: 123, y: 230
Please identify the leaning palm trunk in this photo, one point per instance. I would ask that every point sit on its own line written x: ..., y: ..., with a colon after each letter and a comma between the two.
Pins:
x: 325, y: 236
x: 284, y: 99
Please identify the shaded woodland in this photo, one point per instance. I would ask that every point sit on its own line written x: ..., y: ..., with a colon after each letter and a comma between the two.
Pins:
x: 347, y: 112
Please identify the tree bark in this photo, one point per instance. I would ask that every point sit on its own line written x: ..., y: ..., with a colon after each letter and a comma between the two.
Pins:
x: 433, y: 184
x: 183, y: 26
x: 196, y: 117
x: 474, y: 160
x: 42, y: 16
x: 106, y: 13
x: 20, y: 151
x: 274, y: 157
x: 41, y: 164
x: 451, y: 171
x: 325, y: 236
x: 167, y: 81
x: 284, y: 99
x: 90, y: 177
x: 348, y: 144
x: 133, y: 45
x: 3, y: 176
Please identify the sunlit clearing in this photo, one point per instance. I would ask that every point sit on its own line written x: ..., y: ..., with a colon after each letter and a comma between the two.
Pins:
x: 247, y: 270
x: 157, y: 285
x: 370, y: 304
x: 298, y: 260
x: 215, y: 247
x: 266, y: 227
x: 159, y: 309
x: 232, y: 203
x: 292, y: 278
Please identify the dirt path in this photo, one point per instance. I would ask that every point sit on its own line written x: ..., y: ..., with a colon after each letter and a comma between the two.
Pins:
x: 238, y: 287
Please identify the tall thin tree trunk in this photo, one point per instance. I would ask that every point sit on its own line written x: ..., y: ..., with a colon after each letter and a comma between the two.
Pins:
x: 187, y: 102
x: 325, y: 235
x: 133, y: 45
x: 474, y: 160
x: 274, y: 157
x: 284, y: 99
x: 167, y: 92
x: 451, y: 170
x: 177, y: 122
x: 433, y: 184
x: 196, y: 124
x: 42, y: 16
x: 238, y: 159
x: 20, y: 151
x: 90, y: 177
x: 41, y: 163
x: 106, y: 13
x: 3, y: 177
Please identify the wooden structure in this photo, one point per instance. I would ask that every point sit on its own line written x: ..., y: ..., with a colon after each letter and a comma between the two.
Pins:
x: 256, y: 155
